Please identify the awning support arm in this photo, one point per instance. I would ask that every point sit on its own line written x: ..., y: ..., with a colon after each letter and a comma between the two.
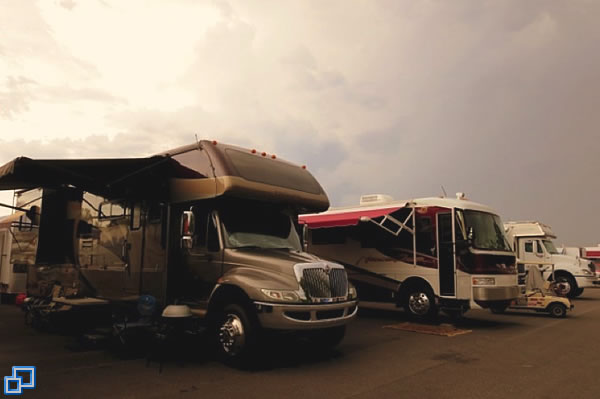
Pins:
x: 401, y: 225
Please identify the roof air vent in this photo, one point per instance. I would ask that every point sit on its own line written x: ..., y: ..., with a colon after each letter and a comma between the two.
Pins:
x: 372, y: 199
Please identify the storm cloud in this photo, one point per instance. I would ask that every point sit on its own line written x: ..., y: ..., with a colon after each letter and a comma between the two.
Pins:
x: 496, y: 99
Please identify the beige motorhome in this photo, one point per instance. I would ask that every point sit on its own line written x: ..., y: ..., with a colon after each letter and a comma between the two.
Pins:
x: 208, y: 225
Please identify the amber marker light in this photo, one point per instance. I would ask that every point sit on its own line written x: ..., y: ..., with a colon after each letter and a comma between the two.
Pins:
x: 274, y: 156
x: 264, y: 154
x: 214, y: 142
x: 253, y: 151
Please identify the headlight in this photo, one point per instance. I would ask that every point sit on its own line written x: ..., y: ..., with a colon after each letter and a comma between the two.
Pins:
x: 586, y: 272
x: 352, y: 292
x: 484, y: 281
x: 281, y: 295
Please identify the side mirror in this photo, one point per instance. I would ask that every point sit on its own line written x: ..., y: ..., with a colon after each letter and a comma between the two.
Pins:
x: 470, y: 235
x: 188, y: 225
x: 34, y: 215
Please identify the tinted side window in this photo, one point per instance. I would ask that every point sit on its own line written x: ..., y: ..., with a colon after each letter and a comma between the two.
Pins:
x: 529, y: 247
x: 192, y: 164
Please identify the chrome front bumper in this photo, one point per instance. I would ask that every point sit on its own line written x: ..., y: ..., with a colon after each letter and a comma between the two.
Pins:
x: 304, y: 317
x: 489, y: 294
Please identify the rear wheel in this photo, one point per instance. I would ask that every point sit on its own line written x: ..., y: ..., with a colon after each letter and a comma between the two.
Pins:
x: 419, y: 302
x: 557, y: 310
x: 578, y: 292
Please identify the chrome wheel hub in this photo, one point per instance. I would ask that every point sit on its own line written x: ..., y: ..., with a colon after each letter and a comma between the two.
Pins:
x: 419, y: 303
x: 231, y: 335
x: 563, y: 287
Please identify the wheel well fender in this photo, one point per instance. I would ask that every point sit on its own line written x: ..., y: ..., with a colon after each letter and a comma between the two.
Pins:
x: 563, y: 273
x: 411, y: 283
x: 224, y: 294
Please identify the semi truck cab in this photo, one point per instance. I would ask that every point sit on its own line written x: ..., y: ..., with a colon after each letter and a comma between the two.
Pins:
x: 533, y: 245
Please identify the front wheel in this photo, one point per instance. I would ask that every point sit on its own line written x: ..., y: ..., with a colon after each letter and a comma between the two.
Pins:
x: 557, y: 310
x: 419, y: 303
x: 566, y: 286
x: 236, y: 334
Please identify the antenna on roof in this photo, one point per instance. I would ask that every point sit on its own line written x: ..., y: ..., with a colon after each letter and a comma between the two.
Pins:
x: 444, y: 191
x: 198, y: 142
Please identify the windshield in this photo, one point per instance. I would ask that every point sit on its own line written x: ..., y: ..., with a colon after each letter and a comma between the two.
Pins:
x: 259, y: 228
x: 487, y: 230
x: 550, y: 247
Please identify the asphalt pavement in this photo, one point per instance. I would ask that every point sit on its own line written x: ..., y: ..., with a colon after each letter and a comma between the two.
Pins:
x: 515, y: 355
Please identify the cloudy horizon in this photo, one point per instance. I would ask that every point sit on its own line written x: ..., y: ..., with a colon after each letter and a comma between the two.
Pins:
x: 495, y: 99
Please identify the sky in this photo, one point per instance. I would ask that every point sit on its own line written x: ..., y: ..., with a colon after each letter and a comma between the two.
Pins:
x: 497, y: 99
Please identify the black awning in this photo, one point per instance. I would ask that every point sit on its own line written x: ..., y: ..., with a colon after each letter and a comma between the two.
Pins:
x: 111, y: 178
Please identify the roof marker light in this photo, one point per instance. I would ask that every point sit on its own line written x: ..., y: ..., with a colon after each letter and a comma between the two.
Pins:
x: 264, y: 154
x: 253, y: 151
x: 303, y: 166
x: 274, y: 156
x: 214, y: 142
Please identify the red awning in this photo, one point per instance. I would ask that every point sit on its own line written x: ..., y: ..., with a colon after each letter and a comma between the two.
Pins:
x: 339, y: 219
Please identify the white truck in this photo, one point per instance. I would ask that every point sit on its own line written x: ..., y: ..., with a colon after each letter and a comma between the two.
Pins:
x: 591, y: 254
x: 532, y: 243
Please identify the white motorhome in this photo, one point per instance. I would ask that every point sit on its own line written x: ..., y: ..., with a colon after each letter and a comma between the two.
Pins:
x: 423, y: 254
x: 532, y: 242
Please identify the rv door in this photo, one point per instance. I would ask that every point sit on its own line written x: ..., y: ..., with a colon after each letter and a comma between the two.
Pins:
x: 447, y: 272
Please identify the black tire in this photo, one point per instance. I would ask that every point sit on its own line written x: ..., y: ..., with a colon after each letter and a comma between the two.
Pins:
x: 419, y: 302
x: 577, y: 292
x: 328, y: 338
x: 236, y: 335
x: 557, y: 310
x: 566, y: 285
x: 498, y: 309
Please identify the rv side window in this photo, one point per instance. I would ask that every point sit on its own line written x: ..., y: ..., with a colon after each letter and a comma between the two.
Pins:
x: 529, y: 247
x: 111, y: 210
x: 373, y: 236
x: 201, y: 227
x: 426, y: 241
x: 136, y: 217
x: 328, y: 236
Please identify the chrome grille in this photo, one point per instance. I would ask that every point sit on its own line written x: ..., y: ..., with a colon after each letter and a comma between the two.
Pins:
x: 318, y: 282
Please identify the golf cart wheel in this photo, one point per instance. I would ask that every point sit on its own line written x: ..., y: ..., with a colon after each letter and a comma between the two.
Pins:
x: 236, y: 335
x: 566, y: 286
x: 557, y: 310
x: 419, y: 302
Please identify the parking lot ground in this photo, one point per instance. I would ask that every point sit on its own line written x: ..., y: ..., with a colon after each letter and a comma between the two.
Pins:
x: 515, y: 355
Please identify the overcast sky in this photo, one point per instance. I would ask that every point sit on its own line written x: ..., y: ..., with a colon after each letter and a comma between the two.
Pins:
x: 499, y: 99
